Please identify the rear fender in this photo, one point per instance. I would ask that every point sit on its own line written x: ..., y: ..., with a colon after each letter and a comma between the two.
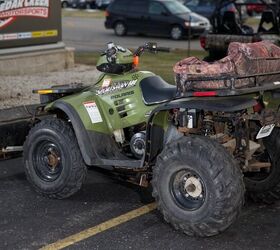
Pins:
x: 161, y: 131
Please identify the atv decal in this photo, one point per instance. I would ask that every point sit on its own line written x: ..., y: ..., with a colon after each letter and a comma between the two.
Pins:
x: 116, y: 86
x: 93, y: 112
x: 122, y: 95
x: 106, y: 83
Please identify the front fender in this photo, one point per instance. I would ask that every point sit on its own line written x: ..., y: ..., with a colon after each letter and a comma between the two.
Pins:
x: 80, y: 131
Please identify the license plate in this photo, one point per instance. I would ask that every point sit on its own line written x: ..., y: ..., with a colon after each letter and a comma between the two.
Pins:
x: 265, y: 131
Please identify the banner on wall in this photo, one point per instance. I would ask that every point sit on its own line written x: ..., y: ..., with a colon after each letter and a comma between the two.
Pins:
x: 29, y: 22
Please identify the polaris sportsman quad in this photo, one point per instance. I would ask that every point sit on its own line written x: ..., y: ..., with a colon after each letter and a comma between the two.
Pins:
x: 198, y: 149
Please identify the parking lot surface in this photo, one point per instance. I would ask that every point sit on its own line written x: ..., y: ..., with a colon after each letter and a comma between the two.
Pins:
x: 89, y: 34
x: 30, y: 221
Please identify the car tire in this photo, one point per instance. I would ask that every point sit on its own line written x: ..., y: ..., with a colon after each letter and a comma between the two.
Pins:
x: 98, y: 4
x: 88, y: 6
x: 264, y: 187
x: 52, y: 159
x: 198, y: 186
x: 176, y: 32
x: 64, y: 5
x: 120, y: 28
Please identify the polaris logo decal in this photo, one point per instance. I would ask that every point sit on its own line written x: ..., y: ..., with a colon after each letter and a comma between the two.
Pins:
x: 11, y: 9
x: 116, y: 86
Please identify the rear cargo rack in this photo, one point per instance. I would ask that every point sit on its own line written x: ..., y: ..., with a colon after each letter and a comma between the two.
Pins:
x: 188, y: 89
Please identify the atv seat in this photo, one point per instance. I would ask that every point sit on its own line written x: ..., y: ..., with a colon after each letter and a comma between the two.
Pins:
x: 268, y: 17
x: 155, y: 90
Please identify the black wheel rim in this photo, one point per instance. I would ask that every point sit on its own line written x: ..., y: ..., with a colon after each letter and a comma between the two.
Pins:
x: 187, y: 189
x: 47, y: 159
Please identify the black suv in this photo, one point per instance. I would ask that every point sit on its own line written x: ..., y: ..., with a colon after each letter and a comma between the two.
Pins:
x: 156, y: 17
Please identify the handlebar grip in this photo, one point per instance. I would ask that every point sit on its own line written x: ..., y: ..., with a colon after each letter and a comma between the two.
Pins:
x: 163, y: 49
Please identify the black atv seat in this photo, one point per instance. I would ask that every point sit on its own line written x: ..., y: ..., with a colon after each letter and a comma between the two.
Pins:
x: 155, y: 90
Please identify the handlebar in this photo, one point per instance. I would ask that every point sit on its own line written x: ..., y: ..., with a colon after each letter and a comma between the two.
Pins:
x: 112, y: 49
x: 150, y: 47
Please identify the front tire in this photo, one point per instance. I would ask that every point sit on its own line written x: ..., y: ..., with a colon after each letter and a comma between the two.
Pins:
x: 198, y: 186
x: 120, y: 29
x: 52, y: 159
x: 176, y: 32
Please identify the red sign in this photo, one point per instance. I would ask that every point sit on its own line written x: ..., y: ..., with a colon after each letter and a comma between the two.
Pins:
x: 10, y: 10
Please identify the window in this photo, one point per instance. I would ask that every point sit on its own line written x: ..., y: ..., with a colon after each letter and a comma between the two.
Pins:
x: 137, y: 6
x: 176, y: 8
x: 192, y: 3
x: 156, y: 8
x: 120, y: 5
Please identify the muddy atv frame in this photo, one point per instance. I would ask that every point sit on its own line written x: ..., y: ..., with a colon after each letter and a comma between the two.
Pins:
x: 229, y: 28
x: 198, y: 149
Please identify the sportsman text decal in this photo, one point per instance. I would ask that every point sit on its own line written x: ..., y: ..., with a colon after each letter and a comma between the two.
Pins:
x: 116, y: 86
x: 11, y: 9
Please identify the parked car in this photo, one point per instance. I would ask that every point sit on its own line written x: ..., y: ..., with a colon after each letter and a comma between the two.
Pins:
x: 102, y: 4
x: 207, y: 8
x: 66, y: 3
x: 83, y: 4
x: 157, y: 17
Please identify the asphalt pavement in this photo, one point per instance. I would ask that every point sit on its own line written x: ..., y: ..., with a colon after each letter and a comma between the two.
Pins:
x: 30, y: 221
x: 89, y: 34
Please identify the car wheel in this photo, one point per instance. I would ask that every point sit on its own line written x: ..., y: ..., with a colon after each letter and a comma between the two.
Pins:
x: 52, y: 159
x: 120, y: 29
x: 176, y: 32
x: 98, y: 4
x: 198, y: 186
x: 64, y: 4
x: 88, y: 6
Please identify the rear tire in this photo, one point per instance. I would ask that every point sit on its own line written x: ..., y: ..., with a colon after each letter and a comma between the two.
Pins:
x: 198, y: 186
x: 120, y: 28
x: 176, y: 32
x: 265, y: 187
x: 52, y: 159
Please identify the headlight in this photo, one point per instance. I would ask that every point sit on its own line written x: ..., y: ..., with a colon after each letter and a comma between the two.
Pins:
x: 187, y: 24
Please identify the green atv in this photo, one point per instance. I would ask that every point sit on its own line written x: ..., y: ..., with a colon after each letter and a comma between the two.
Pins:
x: 197, y: 149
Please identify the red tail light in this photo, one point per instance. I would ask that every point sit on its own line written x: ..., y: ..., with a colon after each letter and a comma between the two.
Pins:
x: 107, y: 13
x: 203, y: 42
x: 204, y: 93
x: 258, y: 107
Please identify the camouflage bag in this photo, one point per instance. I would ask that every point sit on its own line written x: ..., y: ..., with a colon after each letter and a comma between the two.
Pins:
x: 247, y: 65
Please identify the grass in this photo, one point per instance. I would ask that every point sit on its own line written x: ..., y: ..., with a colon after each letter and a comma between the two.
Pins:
x: 83, y: 13
x: 160, y: 64
x: 252, y: 21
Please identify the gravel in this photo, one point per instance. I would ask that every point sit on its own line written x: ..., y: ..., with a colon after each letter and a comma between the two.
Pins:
x: 17, y: 90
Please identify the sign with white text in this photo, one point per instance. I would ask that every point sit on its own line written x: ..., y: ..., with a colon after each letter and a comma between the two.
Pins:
x: 29, y: 22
